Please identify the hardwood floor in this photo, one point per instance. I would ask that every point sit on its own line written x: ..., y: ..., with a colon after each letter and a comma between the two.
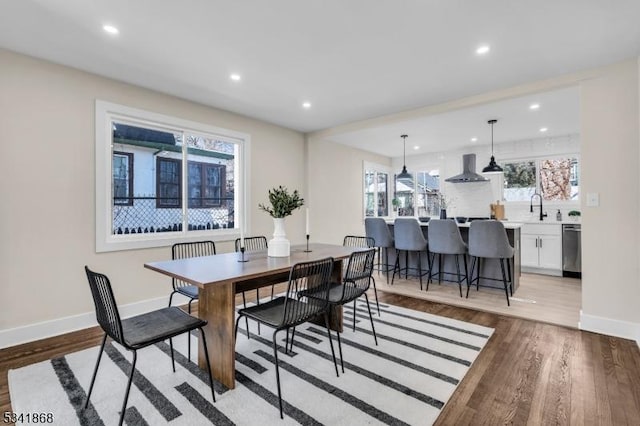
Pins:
x: 528, y: 373
x: 555, y: 300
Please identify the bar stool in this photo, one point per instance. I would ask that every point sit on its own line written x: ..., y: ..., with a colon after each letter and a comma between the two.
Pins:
x: 488, y: 240
x: 444, y: 238
x: 377, y: 228
x: 409, y: 238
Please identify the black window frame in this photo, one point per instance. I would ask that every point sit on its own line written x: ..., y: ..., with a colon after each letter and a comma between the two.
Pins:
x: 161, y: 202
x: 195, y: 202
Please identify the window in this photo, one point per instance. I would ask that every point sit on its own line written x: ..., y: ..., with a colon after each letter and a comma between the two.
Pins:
x: 419, y: 196
x: 122, y: 178
x: 376, y: 191
x: 156, y: 200
x: 556, y: 179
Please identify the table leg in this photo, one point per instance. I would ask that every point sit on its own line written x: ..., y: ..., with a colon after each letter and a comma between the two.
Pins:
x: 216, y: 304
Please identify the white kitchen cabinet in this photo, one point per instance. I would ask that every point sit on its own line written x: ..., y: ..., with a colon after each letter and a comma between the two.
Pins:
x: 542, y: 248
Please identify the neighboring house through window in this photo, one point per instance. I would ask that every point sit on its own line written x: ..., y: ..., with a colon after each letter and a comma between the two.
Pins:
x: 155, y: 200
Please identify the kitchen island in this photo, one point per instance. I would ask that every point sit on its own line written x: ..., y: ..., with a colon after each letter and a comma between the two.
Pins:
x: 490, y: 272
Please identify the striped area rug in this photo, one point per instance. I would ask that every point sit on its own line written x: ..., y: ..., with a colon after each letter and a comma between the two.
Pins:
x: 406, y: 379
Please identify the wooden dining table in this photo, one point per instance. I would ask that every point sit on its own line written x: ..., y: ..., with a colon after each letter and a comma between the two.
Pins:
x: 220, y: 277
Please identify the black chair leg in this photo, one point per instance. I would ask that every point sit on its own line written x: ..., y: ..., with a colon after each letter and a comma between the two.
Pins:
x: 504, y: 280
x: 126, y: 394
x: 246, y: 319
x: 375, y: 293
x: 257, y: 303
x: 354, y: 316
x: 459, y: 277
x: 509, y: 276
x: 478, y: 274
x: 171, y: 297
x: 373, y: 328
x: 340, y: 351
x: 406, y: 264
x: 473, y: 267
x: 432, y: 259
x: 386, y: 262
x: 173, y: 361
x: 95, y: 372
x: 466, y: 270
x: 396, y: 266
x: 439, y: 268
x: 420, y: 270
x: 293, y: 335
x: 275, y: 355
x: 333, y: 353
x: 235, y: 333
x: 188, y: 337
x: 206, y: 355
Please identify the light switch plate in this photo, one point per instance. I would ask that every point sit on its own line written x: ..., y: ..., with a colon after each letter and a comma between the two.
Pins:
x: 593, y: 199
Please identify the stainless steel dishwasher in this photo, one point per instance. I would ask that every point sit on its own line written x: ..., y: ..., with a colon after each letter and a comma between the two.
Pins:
x: 571, y: 251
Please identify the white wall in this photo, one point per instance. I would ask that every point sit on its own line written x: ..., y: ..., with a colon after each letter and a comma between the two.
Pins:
x: 335, y: 179
x: 610, y: 163
x: 48, y: 205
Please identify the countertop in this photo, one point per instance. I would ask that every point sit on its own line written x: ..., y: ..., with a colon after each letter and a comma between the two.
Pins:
x: 507, y: 224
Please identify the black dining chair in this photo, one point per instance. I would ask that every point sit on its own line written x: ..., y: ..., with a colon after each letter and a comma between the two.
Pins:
x: 364, y: 242
x: 355, y: 284
x: 184, y: 251
x: 252, y: 244
x: 139, y: 331
x: 290, y: 310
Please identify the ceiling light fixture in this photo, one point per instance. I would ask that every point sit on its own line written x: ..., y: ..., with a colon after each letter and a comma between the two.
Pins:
x: 306, y: 105
x: 235, y: 77
x: 416, y: 147
x: 543, y: 129
x: 493, y: 166
x: 483, y: 50
x: 404, y: 176
x: 534, y: 106
x: 474, y: 139
x: 110, y: 29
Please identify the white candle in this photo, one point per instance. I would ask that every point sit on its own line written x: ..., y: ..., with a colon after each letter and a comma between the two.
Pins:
x: 241, y: 236
x: 307, y: 221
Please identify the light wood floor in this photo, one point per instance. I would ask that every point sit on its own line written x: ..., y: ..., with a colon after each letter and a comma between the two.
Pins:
x: 529, y: 373
x: 555, y: 300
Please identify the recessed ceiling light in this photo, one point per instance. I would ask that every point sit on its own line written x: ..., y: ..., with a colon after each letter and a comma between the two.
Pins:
x: 416, y: 147
x: 110, y: 29
x: 543, y: 129
x: 483, y: 50
x: 474, y: 139
x: 534, y: 106
x: 235, y: 77
x: 306, y: 105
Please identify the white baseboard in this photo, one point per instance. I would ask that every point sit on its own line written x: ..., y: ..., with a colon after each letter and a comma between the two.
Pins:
x: 610, y: 327
x: 42, y: 330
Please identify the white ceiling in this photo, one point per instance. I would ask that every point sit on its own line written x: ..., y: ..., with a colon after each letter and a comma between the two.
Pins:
x: 352, y: 60
x: 559, y: 113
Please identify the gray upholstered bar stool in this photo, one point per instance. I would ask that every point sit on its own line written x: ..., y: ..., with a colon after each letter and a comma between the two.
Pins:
x: 488, y: 240
x: 445, y: 239
x: 377, y: 228
x: 409, y: 238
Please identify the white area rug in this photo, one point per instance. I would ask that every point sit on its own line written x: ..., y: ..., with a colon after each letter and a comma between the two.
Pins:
x: 407, y: 379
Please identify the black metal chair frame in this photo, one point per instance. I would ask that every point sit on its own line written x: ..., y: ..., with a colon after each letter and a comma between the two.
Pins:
x: 355, y: 284
x: 507, y: 280
x: 183, y: 251
x: 396, y: 266
x: 252, y: 244
x: 440, y: 272
x: 153, y: 324
x: 288, y: 311
x: 365, y: 242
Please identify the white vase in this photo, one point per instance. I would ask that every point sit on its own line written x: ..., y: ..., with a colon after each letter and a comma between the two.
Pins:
x: 279, y: 246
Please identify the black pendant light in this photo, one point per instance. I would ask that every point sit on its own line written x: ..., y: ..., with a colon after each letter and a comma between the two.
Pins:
x: 404, y: 176
x: 493, y: 166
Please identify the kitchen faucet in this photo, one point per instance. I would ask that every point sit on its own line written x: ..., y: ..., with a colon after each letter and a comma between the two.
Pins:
x: 542, y: 215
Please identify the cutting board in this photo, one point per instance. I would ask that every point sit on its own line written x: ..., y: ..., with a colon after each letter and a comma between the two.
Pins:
x: 497, y: 211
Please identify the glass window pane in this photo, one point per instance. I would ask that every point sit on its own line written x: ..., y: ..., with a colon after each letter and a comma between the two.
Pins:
x: 519, y: 180
x: 404, y: 196
x: 211, y: 182
x: 428, y: 185
x: 369, y: 193
x: 383, y: 190
x: 559, y: 179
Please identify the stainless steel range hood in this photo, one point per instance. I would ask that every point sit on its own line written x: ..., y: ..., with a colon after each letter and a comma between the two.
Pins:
x: 468, y: 171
